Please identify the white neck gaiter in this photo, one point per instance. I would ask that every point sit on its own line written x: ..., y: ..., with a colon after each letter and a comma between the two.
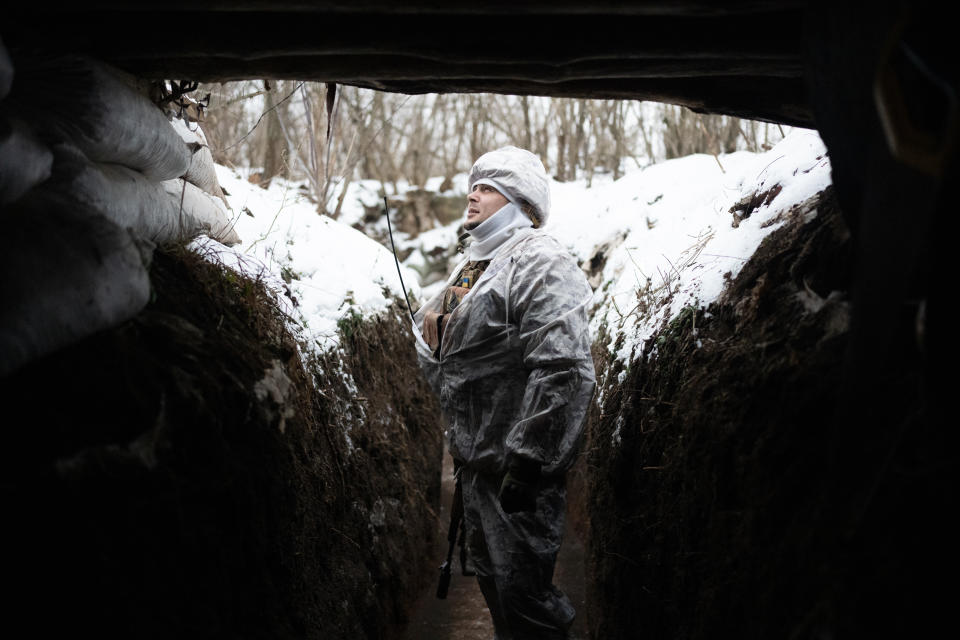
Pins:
x: 490, y: 234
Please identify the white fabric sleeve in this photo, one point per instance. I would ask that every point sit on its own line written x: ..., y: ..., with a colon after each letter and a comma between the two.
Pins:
x: 550, y: 297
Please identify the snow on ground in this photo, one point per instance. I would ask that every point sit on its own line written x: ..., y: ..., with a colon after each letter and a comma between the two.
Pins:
x: 368, y: 193
x: 668, y: 229
x: 329, y: 268
x: 663, y: 229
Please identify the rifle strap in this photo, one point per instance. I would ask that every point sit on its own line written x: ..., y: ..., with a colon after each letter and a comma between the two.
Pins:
x: 456, y: 513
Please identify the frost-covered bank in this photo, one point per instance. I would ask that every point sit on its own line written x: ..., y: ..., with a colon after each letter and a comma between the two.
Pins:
x: 713, y: 455
x: 199, y: 470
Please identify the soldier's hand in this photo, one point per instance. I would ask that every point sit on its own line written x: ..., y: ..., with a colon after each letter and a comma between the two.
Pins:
x: 459, y: 292
x: 453, y: 296
x: 430, y: 335
x: 518, y: 491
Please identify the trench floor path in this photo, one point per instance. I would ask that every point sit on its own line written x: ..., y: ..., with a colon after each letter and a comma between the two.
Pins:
x: 464, y: 615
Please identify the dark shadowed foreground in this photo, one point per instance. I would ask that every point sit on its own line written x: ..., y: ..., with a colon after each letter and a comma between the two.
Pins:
x: 186, y: 475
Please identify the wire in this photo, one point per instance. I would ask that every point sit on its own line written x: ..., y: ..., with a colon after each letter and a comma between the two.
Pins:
x: 386, y: 212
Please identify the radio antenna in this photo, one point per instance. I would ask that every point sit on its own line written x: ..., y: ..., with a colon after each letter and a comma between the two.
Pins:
x: 386, y: 212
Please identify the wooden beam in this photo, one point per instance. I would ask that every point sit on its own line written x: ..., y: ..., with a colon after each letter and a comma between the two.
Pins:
x: 745, y: 62
x: 458, y: 7
x: 531, y: 39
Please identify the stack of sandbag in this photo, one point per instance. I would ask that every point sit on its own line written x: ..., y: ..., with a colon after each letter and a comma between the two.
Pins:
x: 25, y: 161
x: 67, y: 272
x: 201, y: 177
x: 91, y: 178
x: 125, y: 148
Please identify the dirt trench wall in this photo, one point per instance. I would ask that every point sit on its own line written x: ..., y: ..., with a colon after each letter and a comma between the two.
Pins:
x: 728, y: 495
x: 186, y: 475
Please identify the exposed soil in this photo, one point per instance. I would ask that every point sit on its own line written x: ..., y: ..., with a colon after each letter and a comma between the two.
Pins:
x: 735, y: 490
x: 708, y: 497
x: 186, y: 475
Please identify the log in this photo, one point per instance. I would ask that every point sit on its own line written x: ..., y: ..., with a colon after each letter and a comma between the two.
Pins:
x: 65, y: 273
x: 25, y: 161
x: 95, y: 108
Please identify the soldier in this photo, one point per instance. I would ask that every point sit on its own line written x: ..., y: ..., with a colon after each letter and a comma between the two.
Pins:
x: 505, y: 345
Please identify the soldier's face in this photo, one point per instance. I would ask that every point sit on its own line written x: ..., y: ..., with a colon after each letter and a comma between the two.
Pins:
x: 483, y: 202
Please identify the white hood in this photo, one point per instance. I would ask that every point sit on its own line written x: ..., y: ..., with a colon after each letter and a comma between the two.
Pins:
x: 522, y: 175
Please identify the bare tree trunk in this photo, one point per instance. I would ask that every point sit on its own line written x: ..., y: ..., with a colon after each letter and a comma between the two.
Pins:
x: 347, y: 178
x: 543, y: 135
x: 312, y: 144
x: 527, y: 133
x: 298, y: 154
x: 710, y: 140
x: 475, y: 145
x: 642, y: 124
x: 731, y: 133
x: 451, y: 161
x: 592, y: 156
x: 562, y: 136
x: 574, y: 156
x: 615, y: 117
x: 671, y: 131
x: 273, y: 163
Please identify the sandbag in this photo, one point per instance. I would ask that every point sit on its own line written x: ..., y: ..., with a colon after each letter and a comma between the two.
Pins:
x: 25, y: 161
x: 208, y: 211
x: 152, y: 209
x: 65, y: 274
x: 6, y: 71
x: 202, y: 171
x: 95, y: 107
x: 203, y: 174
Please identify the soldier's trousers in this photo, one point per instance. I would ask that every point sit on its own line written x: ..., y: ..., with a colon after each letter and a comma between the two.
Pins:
x: 514, y: 555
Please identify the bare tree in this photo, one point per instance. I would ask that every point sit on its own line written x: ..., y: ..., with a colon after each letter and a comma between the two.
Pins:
x: 330, y: 136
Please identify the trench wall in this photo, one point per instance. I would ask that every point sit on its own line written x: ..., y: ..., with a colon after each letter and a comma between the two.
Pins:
x: 189, y: 474
x: 725, y: 496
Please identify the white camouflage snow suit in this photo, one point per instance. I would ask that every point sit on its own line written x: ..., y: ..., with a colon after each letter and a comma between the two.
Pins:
x: 515, y: 377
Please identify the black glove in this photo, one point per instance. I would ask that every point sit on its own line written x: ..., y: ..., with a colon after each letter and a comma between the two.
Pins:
x: 518, y: 491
